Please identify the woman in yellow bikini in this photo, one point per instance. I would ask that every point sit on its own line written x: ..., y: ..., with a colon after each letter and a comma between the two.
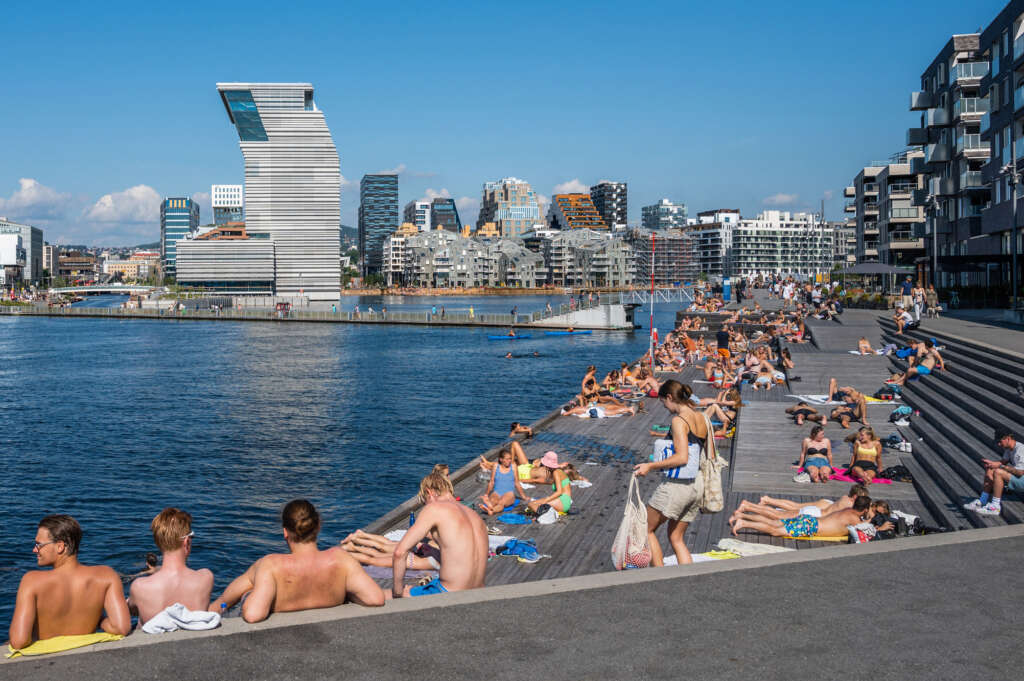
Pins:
x: 866, y: 459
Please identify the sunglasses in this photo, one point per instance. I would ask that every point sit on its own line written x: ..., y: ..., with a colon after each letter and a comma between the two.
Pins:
x: 189, y: 535
x: 40, y: 545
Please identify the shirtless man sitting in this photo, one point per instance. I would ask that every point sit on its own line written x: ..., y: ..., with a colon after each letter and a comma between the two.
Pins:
x: 928, y: 360
x: 459, y: 533
x: 174, y: 582
x: 831, y: 525
x: 303, y: 579
x: 855, y: 407
x: 71, y: 598
x: 777, y: 509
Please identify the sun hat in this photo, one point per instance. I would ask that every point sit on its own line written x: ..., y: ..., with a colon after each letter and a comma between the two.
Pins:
x: 550, y: 460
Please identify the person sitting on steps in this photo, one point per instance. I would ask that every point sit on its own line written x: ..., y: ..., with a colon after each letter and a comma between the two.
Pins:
x: 1004, y: 474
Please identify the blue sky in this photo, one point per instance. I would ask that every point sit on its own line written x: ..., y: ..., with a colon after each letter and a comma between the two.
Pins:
x: 753, y: 105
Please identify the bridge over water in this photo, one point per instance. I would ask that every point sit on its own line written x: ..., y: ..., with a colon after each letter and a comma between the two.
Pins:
x: 122, y: 289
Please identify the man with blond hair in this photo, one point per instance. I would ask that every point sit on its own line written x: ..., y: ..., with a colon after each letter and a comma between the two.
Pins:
x: 456, y: 529
x: 71, y: 598
x: 174, y: 582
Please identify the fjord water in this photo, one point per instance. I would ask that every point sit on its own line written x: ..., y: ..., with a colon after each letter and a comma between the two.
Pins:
x: 113, y: 420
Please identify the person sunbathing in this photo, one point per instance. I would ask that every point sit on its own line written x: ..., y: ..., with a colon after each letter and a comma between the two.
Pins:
x: 302, y: 579
x: 503, y: 487
x: 379, y: 551
x: 459, y: 533
x: 70, y: 599
x: 816, y: 455
x: 855, y: 404
x: 864, y: 347
x: 777, y: 509
x: 807, y: 526
x: 645, y: 382
x: 597, y: 410
x: 174, y: 582
x: 528, y: 471
x: 765, y: 379
x: 516, y: 428
x: 866, y: 457
x: 927, y: 361
x: 802, y: 411
x: 562, y: 476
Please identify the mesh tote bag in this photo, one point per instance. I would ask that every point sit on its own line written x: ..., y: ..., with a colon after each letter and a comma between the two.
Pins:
x: 630, y: 548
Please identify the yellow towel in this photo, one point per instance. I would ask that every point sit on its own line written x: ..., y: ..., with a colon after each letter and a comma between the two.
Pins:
x: 721, y: 555
x: 60, y: 643
x: 842, y: 538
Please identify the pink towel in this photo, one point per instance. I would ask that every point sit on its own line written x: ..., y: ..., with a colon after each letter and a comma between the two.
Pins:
x: 839, y: 474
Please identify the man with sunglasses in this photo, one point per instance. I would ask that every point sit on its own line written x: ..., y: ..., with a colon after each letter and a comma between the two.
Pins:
x: 71, y: 598
x: 174, y: 582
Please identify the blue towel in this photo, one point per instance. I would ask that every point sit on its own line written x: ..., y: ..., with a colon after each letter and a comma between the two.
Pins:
x: 521, y: 548
x: 514, y: 519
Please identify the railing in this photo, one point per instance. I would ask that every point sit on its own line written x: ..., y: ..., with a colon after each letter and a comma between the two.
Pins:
x: 903, y: 213
x: 1018, y: 46
x: 971, y: 142
x: 974, y: 69
x: 870, y: 187
x: 971, y: 178
x: 902, y: 187
x: 970, y: 105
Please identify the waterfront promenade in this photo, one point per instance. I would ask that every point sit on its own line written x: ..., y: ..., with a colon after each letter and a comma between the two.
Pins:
x: 572, y: 609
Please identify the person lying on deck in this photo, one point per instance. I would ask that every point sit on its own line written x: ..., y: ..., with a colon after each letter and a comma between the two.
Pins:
x: 302, y: 579
x: 777, y: 509
x: 802, y: 411
x: 503, y: 487
x: 516, y: 428
x: 866, y: 457
x: 832, y: 525
x: 379, y: 551
x: 864, y: 347
x: 928, y: 361
x: 765, y: 379
x: 71, y: 599
x: 597, y: 410
x: 591, y: 394
x: 816, y: 455
x: 855, y: 407
x: 459, y: 533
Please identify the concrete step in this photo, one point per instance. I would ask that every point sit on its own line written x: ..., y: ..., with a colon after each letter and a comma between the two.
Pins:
x: 1002, y: 367
x: 934, y: 498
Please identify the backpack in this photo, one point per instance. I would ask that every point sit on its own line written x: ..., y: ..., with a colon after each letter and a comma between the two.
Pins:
x: 900, y: 412
x: 897, y: 473
x: 884, y: 393
x: 903, y: 353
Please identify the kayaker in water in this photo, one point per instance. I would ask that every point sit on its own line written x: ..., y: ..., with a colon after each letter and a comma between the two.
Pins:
x: 512, y: 333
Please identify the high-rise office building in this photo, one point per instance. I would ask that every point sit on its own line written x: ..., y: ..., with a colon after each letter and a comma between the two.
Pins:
x: 445, y: 215
x: 32, y: 242
x: 228, y: 203
x: 292, y: 183
x: 418, y: 213
x: 378, y: 217
x: 574, y: 211
x: 610, y: 200
x: 664, y: 214
x: 179, y: 217
x: 511, y: 204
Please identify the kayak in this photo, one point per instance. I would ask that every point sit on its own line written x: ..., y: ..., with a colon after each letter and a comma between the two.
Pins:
x: 525, y: 335
x: 567, y: 333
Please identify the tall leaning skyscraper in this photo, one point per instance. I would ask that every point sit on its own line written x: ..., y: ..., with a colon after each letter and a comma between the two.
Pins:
x: 292, y: 183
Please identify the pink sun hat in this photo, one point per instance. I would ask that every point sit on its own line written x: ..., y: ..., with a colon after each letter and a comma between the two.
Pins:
x: 550, y: 460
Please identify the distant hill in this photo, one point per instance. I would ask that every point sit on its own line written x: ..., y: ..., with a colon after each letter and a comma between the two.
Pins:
x: 349, y: 232
x: 148, y: 247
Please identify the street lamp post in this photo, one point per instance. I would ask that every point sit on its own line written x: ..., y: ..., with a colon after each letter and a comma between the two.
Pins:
x: 933, y: 210
x: 1010, y: 170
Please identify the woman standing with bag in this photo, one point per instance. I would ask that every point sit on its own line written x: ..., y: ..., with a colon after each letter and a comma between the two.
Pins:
x: 678, y: 498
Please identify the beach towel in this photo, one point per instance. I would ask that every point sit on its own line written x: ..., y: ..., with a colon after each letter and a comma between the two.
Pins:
x: 704, y: 557
x: 600, y: 414
x: 745, y: 549
x: 514, y: 519
x: 177, y: 616
x: 825, y: 401
x: 59, y: 644
x: 525, y: 550
x: 582, y: 484
x: 840, y: 475
x: 815, y: 538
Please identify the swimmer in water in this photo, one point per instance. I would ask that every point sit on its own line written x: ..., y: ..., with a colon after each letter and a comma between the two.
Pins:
x: 508, y: 355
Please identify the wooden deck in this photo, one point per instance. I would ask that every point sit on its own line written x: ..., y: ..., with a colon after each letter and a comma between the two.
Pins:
x: 761, y: 457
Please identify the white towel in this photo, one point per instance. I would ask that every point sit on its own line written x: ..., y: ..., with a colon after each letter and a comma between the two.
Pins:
x: 177, y: 616
x: 582, y: 483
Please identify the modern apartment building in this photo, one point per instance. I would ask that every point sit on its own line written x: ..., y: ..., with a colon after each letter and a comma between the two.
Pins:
x: 50, y: 257
x: 880, y: 207
x: 32, y: 242
x: 610, y: 200
x: 12, y: 259
x: 417, y: 213
x: 674, y: 258
x: 663, y: 215
x: 445, y: 215
x: 292, y: 183
x: 179, y: 218
x: 574, y: 211
x: 393, y: 260
x: 512, y: 205
x: 228, y: 201
x: 378, y: 217
x: 844, y: 243
x: 712, y: 233
x: 779, y: 242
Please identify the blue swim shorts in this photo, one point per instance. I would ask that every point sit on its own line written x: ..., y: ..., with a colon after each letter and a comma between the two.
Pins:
x: 431, y: 588
x: 922, y: 370
x: 800, y: 526
x: 1016, y: 485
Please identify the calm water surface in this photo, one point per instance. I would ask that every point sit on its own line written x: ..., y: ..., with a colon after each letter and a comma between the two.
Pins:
x: 111, y: 421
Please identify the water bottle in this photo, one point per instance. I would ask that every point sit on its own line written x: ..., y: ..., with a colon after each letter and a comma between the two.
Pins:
x: 223, y: 609
x: 412, y: 519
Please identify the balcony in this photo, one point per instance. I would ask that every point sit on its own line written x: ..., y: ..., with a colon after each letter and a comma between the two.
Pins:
x: 941, y: 186
x: 919, y: 101
x: 904, y: 214
x: 906, y: 241
x: 936, y: 153
x: 871, y: 252
x: 871, y: 228
x: 917, y: 137
x: 970, y: 107
x: 971, y: 179
x: 871, y: 208
x: 1018, y: 47
x: 850, y: 207
x: 850, y: 192
x: 975, y: 70
x: 900, y: 188
x: 971, y: 146
x: 919, y: 197
x: 870, y: 188
x: 936, y: 118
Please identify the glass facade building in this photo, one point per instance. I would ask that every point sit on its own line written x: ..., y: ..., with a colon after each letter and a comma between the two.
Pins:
x: 511, y: 204
x: 378, y: 217
x: 663, y: 215
x: 444, y: 215
x: 179, y: 217
x: 610, y: 199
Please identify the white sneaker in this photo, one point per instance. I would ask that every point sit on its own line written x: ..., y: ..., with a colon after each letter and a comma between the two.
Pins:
x: 990, y: 509
x: 902, y: 423
x: 972, y: 506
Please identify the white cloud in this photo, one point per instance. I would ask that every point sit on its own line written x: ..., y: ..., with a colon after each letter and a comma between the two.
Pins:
x: 345, y: 182
x: 203, y: 199
x: 469, y: 209
x: 397, y: 170
x: 573, y: 186
x: 780, y: 199
x: 35, y: 201
x: 829, y: 194
x: 432, y: 194
x: 137, y: 204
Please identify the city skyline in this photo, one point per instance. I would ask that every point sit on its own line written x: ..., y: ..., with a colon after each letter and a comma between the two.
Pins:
x: 759, y: 115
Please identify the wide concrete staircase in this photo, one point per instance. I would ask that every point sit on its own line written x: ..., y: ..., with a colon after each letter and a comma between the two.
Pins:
x: 959, y: 410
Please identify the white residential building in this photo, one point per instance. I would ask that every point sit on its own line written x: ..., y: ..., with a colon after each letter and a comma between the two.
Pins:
x: 417, y: 213
x: 228, y: 202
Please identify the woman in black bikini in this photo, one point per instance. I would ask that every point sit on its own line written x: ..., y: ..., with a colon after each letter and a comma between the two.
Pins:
x: 802, y: 411
x: 816, y: 455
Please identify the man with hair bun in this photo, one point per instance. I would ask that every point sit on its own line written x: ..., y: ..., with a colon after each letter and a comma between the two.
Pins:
x: 70, y: 599
x: 456, y: 529
x: 303, y: 579
x: 174, y: 582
